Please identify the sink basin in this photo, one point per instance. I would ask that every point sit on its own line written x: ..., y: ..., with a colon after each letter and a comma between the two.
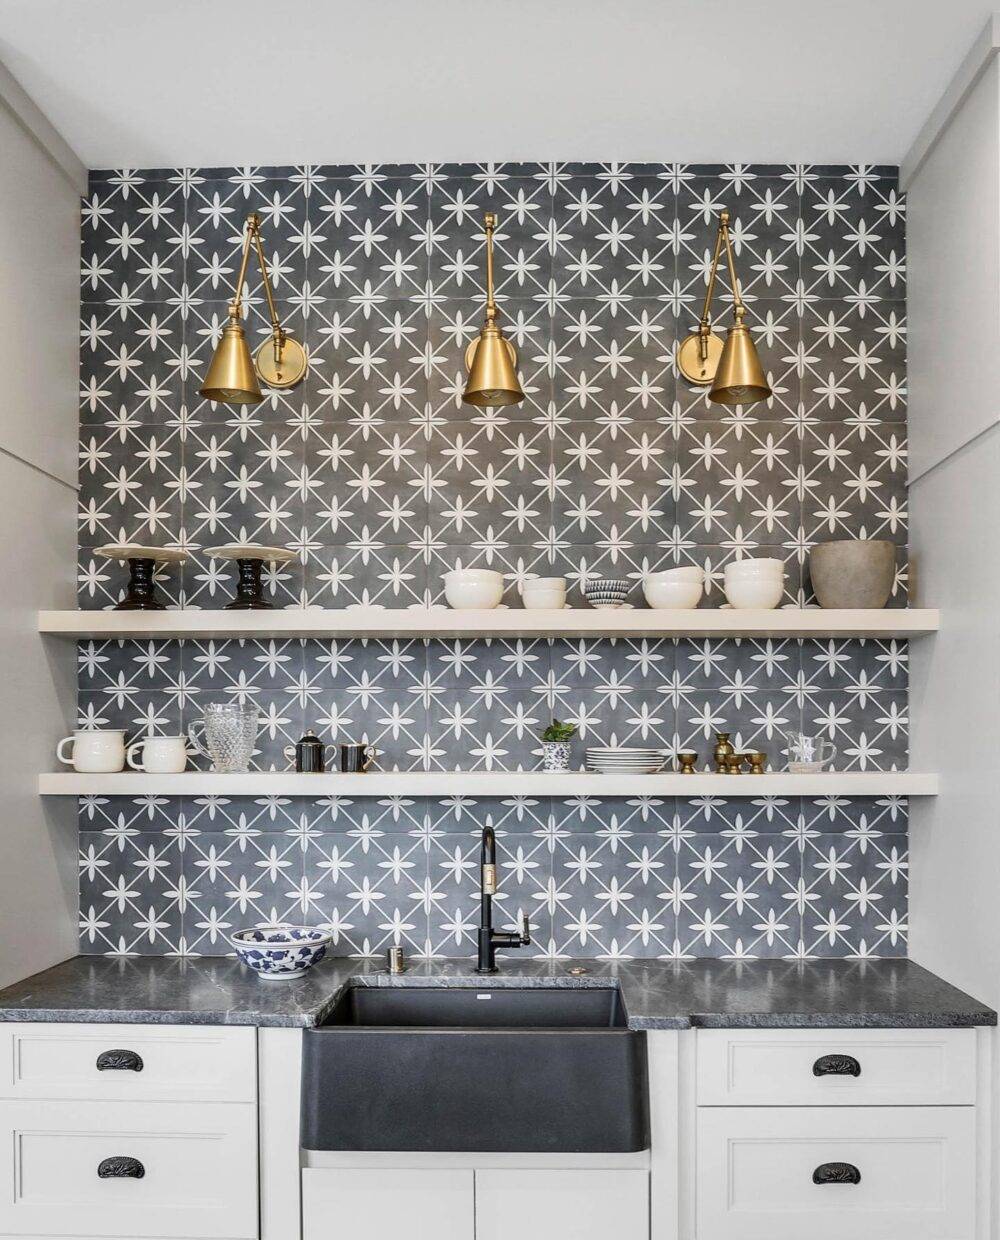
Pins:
x: 499, y: 1007
x: 475, y: 1069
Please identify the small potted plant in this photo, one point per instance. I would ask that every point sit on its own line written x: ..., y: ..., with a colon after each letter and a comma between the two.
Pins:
x: 555, y: 745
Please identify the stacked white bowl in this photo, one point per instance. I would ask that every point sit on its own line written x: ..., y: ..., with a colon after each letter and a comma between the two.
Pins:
x: 755, y: 583
x: 609, y: 760
x: 542, y: 593
x: 475, y: 589
x: 674, y: 587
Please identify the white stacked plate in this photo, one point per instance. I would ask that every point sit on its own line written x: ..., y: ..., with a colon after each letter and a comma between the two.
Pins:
x: 606, y: 761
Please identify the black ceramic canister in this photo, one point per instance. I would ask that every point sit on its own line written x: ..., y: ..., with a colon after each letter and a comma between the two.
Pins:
x: 310, y: 754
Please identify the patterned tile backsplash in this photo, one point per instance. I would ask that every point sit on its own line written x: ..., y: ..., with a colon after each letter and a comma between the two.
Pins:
x: 381, y: 479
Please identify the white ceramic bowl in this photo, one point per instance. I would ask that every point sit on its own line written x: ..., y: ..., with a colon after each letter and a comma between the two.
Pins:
x: 762, y: 594
x: 683, y: 572
x: 475, y: 589
x: 669, y: 592
x: 747, y: 574
x: 754, y: 567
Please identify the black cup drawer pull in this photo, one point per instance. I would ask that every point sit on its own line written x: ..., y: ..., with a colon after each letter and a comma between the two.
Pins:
x: 120, y: 1167
x: 119, y: 1061
x: 836, y: 1173
x: 836, y: 1065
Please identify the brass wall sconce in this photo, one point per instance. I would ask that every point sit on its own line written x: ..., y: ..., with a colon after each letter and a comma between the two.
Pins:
x: 490, y: 359
x: 234, y: 377
x: 733, y: 369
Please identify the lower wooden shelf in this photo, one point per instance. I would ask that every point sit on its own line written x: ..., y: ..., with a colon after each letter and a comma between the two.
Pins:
x: 491, y: 784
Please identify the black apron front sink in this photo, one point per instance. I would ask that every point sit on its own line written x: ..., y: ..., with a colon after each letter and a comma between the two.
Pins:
x: 484, y: 1069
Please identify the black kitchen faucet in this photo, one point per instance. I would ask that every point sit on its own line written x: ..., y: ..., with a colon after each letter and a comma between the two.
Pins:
x: 490, y: 939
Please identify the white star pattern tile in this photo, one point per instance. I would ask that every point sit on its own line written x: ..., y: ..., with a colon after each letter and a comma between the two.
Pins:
x: 381, y: 479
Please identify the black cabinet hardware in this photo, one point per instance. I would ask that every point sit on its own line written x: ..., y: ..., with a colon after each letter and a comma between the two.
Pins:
x: 119, y: 1061
x: 836, y: 1065
x: 836, y: 1173
x: 120, y: 1167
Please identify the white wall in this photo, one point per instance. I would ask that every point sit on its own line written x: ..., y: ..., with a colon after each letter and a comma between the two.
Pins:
x: 953, y: 281
x: 953, y: 258
x: 954, y: 365
x: 39, y: 315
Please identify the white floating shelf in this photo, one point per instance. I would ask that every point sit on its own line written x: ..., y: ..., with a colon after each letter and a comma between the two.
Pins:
x: 502, y: 622
x: 491, y: 784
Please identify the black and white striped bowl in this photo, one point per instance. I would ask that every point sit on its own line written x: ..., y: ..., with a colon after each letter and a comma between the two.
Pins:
x: 606, y: 592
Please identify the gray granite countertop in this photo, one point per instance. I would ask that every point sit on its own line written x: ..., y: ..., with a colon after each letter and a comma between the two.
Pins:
x: 707, y: 994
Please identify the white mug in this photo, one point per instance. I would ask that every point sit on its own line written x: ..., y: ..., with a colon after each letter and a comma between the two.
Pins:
x: 94, y: 753
x: 161, y: 755
x: 540, y: 593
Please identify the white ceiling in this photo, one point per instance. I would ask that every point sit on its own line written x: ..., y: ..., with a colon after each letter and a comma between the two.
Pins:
x: 168, y: 83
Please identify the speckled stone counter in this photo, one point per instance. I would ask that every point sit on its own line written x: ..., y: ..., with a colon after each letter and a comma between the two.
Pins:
x: 708, y: 994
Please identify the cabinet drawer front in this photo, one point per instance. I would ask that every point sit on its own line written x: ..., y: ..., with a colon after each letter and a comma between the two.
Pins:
x: 758, y: 1170
x: 836, y: 1067
x: 129, y: 1170
x: 128, y: 1062
x: 363, y: 1204
x: 562, y: 1205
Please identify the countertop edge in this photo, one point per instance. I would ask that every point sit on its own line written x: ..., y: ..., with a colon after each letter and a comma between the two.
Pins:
x: 844, y: 1020
x: 641, y: 1024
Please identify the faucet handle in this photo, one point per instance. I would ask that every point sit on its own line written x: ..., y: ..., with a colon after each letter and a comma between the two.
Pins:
x: 525, y: 929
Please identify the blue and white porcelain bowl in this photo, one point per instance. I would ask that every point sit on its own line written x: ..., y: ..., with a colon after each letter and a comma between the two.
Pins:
x: 277, y: 953
x: 606, y: 592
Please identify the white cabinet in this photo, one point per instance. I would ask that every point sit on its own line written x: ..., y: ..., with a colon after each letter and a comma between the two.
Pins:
x: 825, y: 1133
x: 369, y: 1204
x: 128, y: 1131
x: 884, y: 1173
x: 562, y: 1205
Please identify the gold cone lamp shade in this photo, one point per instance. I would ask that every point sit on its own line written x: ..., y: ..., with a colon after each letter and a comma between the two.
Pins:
x: 739, y: 378
x: 491, y: 360
x: 492, y: 370
x: 231, y: 377
x: 732, y: 369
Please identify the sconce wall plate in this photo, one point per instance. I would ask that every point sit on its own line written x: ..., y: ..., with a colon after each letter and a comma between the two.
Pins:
x: 695, y: 368
x: 284, y: 370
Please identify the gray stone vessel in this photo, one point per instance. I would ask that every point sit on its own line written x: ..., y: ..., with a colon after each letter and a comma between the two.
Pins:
x: 853, y: 572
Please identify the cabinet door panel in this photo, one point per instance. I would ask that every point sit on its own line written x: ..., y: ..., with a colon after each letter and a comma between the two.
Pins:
x: 385, y: 1205
x: 826, y: 1173
x: 562, y: 1205
x: 128, y: 1169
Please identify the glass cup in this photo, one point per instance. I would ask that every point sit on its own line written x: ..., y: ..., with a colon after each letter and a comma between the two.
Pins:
x: 230, y: 732
x: 808, y: 753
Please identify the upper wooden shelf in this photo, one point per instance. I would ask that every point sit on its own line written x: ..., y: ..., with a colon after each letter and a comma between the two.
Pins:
x: 502, y: 622
x: 492, y: 784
